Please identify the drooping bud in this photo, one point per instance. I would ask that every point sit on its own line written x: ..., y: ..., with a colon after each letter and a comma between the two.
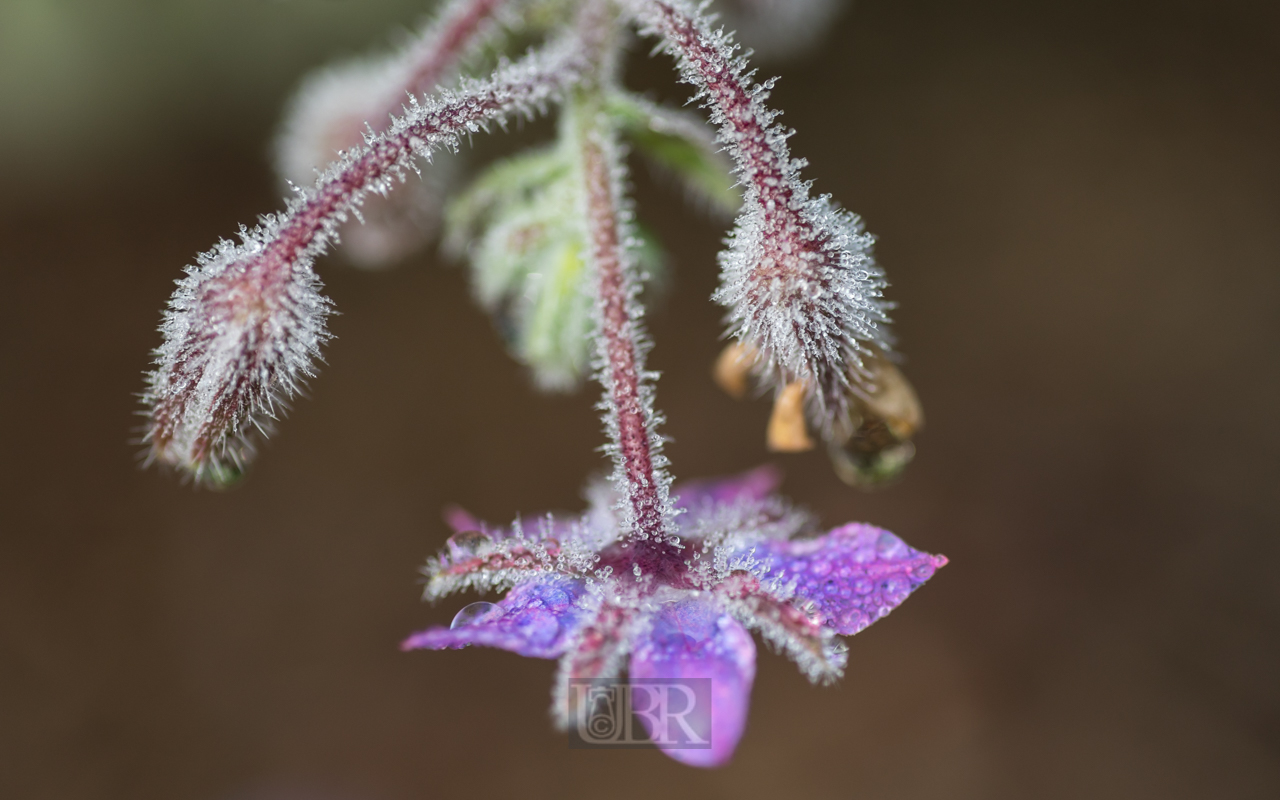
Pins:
x: 798, y: 279
x: 241, y: 336
x: 244, y: 326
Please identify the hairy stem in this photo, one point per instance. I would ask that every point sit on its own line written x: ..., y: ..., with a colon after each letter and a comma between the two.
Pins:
x: 798, y: 278
x: 628, y: 389
x: 209, y: 384
x: 454, y: 32
x: 625, y: 386
x: 522, y: 86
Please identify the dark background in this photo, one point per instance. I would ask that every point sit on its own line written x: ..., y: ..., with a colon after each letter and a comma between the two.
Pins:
x: 1077, y: 207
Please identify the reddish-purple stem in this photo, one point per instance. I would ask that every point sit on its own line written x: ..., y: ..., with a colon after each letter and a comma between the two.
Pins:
x: 792, y: 247
x: 390, y: 151
x: 623, y: 360
x: 761, y: 167
x: 456, y: 34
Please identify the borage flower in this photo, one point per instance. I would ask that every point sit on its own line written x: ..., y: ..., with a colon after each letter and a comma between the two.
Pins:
x: 575, y: 590
x: 663, y: 584
x: 659, y: 583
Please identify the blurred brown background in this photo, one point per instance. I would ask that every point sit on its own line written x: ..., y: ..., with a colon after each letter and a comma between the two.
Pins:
x: 1077, y: 206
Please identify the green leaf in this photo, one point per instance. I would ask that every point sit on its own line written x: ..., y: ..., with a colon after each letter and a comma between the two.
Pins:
x: 681, y: 143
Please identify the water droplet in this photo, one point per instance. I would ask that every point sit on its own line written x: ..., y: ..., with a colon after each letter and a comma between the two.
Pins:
x: 466, y: 544
x: 890, y: 546
x: 475, y: 614
x: 539, y: 626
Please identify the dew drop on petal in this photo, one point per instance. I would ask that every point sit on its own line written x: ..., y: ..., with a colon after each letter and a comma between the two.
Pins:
x: 475, y: 614
x: 889, y: 546
x: 465, y: 544
x: 539, y: 626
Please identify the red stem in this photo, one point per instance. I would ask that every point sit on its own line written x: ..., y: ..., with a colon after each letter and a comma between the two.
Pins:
x: 455, y: 35
x: 390, y: 151
x: 624, y: 363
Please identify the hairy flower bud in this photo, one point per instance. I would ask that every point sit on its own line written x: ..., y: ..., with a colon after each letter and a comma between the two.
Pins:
x: 798, y: 278
x: 240, y: 339
x: 243, y: 327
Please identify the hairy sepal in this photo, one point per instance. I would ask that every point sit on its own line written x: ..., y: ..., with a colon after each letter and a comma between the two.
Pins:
x: 239, y: 342
x: 243, y: 327
x: 798, y: 279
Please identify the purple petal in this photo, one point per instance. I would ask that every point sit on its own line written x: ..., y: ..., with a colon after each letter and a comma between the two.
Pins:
x: 855, y: 574
x: 535, y: 619
x: 459, y: 519
x: 694, y: 639
x: 755, y: 485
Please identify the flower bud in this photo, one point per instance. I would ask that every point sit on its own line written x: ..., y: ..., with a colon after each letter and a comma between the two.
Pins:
x: 519, y: 225
x: 240, y: 335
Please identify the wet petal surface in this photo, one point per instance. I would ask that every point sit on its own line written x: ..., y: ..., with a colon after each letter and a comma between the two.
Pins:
x: 693, y: 672
x: 535, y: 619
x: 855, y: 574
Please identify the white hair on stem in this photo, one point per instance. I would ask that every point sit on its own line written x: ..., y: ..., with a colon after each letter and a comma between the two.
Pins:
x: 244, y: 327
x: 798, y: 278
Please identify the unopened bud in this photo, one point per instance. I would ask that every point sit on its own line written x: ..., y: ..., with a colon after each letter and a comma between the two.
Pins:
x: 240, y: 335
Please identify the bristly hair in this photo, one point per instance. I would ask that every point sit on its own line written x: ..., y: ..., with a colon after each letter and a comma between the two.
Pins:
x: 335, y: 107
x: 667, y: 584
x: 244, y: 327
x: 798, y: 278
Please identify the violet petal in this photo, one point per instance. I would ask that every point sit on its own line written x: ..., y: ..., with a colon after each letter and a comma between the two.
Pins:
x: 755, y: 485
x: 855, y: 574
x: 693, y: 639
x: 536, y: 620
